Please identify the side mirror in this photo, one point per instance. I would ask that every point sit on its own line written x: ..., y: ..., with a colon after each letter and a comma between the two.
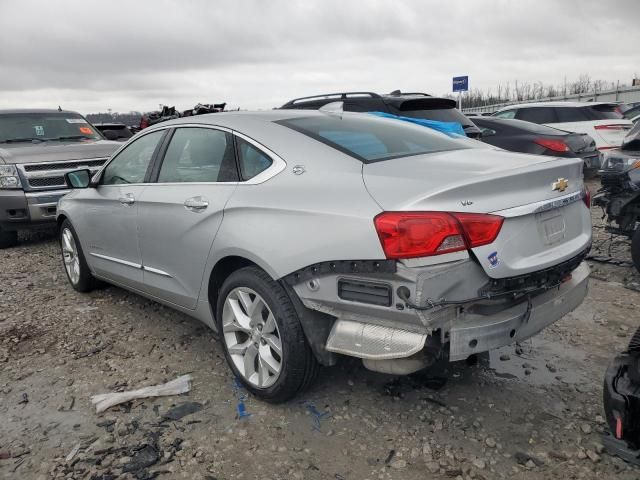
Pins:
x: 78, y: 178
x: 487, y: 132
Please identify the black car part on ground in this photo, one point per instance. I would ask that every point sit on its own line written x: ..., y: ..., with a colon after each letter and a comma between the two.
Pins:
x: 527, y: 137
x: 415, y: 105
x: 169, y: 113
x: 621, y: 396
x: 619, y: 196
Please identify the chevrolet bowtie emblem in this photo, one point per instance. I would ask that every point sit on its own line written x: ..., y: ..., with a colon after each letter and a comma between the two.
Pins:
x: 561, y: 185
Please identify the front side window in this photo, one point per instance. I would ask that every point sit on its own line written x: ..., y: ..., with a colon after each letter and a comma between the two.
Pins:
x: 252, y: 160
x: 372, y: 139
x: 199, y: 155
x: 41, y: 127
x: 131, y: 164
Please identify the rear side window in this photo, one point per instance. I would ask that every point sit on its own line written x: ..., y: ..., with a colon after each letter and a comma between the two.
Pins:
x: 506, y: 114
x: 252, y: 160
x: 372, y: 139
x: 568, y: 114
x: 199, y: 155
x: 537, y: 115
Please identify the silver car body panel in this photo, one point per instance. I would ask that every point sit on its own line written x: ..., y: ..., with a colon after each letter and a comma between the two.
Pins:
x: 316, y: 204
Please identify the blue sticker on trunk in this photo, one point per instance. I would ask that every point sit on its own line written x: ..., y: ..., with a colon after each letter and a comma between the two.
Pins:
x: 493, y: 260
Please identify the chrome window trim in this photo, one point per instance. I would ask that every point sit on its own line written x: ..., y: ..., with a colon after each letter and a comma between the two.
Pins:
x: 541, y: 206
x: 274, y: 169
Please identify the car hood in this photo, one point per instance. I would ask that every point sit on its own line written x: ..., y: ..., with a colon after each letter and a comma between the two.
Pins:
x: 56, y: 151
x: 470, y: 180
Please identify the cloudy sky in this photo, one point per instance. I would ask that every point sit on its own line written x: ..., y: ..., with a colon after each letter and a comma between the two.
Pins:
x: 133, y: 55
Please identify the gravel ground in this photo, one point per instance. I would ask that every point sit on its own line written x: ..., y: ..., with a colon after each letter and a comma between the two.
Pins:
x: 529, y: 411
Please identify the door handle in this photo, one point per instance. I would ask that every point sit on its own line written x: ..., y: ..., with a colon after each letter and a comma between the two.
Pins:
x: 196, y: 204
x: 127, y: 199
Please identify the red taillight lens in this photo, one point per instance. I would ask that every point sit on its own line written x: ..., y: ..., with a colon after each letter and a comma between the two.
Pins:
x: 616, y: 126
x: 555, y: 145
x: 423, y: 234
x: 586, y: 197
x: 479, y: 228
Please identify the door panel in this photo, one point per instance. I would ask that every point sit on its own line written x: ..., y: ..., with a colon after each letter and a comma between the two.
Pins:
x: 109, y: 229
x: 109, y: 236
x: 179, y: 216
x: 175, y: 239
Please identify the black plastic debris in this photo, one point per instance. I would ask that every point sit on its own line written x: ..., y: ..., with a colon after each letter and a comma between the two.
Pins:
x: 144, y: 457
x: 182, y: 410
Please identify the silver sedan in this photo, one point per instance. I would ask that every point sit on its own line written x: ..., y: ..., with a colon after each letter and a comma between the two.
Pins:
x: 300, y: 236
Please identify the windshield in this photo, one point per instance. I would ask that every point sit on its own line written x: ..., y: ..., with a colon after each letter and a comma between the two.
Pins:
x: 38, y: 127
x: 371, y: 139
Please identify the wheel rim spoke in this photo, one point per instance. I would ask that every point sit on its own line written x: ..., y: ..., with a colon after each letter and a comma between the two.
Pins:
x: 238, y: 320
x: 274, y: 343
x: 249, y: 362
x: 267, y: 357
x: 239, y: 348
x: 270, y: 324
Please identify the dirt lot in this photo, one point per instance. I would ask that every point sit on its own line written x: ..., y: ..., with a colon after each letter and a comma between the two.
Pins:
x: 528, y: 412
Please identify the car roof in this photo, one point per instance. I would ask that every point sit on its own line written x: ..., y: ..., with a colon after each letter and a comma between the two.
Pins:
x: 555, y: 104
x: 34, y: 110
x: 227, y: 118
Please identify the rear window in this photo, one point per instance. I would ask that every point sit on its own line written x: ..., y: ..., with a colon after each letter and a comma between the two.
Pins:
x: 603, y: 112
x: 371, y: 139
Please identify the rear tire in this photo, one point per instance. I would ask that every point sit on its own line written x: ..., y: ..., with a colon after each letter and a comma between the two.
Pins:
x: 635, y: 249
x: 73, y: 260
x: 8, y: 239
x: 262, y: 337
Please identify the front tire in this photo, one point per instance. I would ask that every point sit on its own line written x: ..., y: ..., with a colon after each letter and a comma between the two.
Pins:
x: 75, y: 265
x: 262, y: 337
x: 8, y: 239
x: 635, y: 249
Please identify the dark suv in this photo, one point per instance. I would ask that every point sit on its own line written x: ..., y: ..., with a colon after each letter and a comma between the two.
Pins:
x: 415, y: 105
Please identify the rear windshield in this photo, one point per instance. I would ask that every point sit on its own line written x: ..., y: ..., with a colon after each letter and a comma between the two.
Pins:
x: 371, y: 139
x: 54, y: 126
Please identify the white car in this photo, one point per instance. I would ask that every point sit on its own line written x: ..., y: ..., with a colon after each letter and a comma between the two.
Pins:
x: 603, y: 121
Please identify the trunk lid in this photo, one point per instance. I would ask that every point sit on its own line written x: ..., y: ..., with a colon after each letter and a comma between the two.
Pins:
x: 543, y: 226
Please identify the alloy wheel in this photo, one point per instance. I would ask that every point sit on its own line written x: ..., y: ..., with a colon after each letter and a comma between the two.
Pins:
x: 252, y: 337
x: 70, y: 256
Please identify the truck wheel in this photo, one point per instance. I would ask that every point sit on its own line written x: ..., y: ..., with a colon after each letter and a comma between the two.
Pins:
x: 75, y: 265
x: 262, y: 336
x: 635, y: 249
x: 8, y: 239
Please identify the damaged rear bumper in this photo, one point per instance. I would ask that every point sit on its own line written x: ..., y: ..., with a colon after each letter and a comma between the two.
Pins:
x: 369, y: 327
x: 477, y: 333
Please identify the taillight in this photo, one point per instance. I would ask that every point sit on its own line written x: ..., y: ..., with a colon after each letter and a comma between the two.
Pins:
x: 424, y: 234
x: 143, y: 123
x: 586, y: 197
x: 614, y: 126
x: 555, y: 145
